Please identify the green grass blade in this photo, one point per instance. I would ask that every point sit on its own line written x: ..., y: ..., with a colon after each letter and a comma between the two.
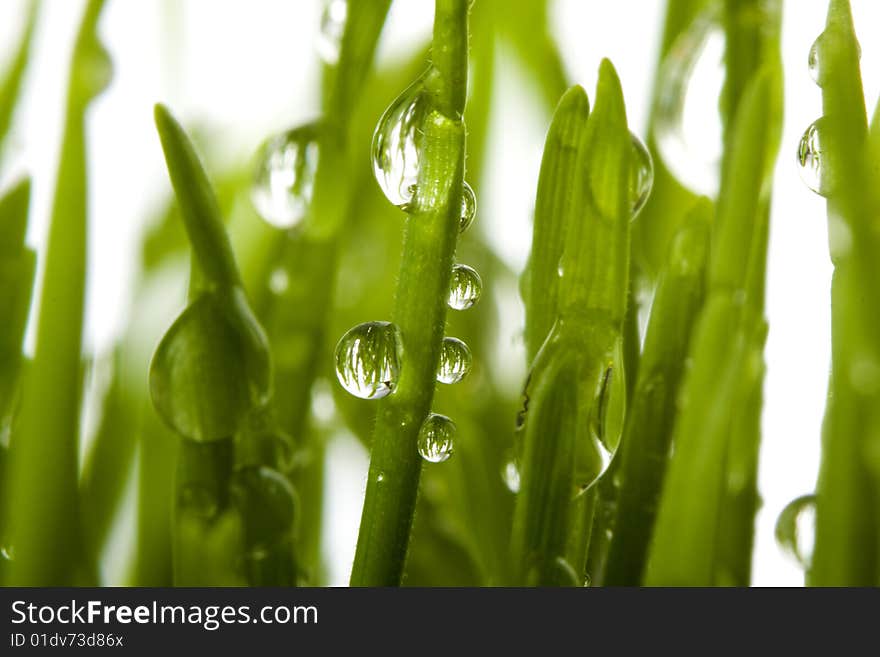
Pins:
x: 46, y: 442
x: 650, y: 421
x: 846, y: 551
x: 10, y: 85
x: 555, y: 207
x: 419, y: 311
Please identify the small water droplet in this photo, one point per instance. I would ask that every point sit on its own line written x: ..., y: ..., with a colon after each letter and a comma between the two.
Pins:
x: 284, y: 177
x: 468, y: 208
x: 560, y: 266
x: 810, y: 159
x: 814, y: 59
x: 436, y: 437
x: 510, y: 476
x: 465, y: 287
x: 455, y: 361
x: 642, y: 175
x: 333, y: 21
x: 368, y: 359
x: 380, y: 477
x: 395, y: 151
x: 279, y: 281
x: 199, y: 501
x: 796, y: 529
x: 687, y: 126
x: 7, y: 552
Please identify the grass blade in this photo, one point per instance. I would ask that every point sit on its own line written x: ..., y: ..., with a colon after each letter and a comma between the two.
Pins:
x: 10, y: 85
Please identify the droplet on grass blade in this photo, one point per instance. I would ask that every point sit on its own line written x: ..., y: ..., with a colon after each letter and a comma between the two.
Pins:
x: 368, y: 359
x: 818, y: 72
x: 279, y: 281
x: 333, y: 20
x: 465, y: 287
x: 455, y: 361
x: 436, y: 438
x: 284, y: 177
x: 796, y: 529
x: 687, y: 125
x: 468, y: 208
x: 810, y: 159
x: 267, y: 503
x: 510, y: 475
x: 642, y: 175
x: 395, y: 150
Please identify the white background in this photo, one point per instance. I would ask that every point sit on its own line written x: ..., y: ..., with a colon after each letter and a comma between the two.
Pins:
x: 249, y: 68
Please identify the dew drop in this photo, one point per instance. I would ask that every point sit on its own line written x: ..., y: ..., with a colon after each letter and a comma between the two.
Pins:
x: 796, y: 529
x: 687, y: 126
x: 279, y: 281
x: 284, y: 176
x: 465, y: 287
x: 814, y: 60
x: 468, y: 207
x: 510, y: 476
x: 380, y: 477
x: 267, y: 502
x: 333, y: 21
x: 395, y: 152
x: 198, y: 500
x: 641, y: 176
x: 7, y: 552
x: 436, y: 437
x: 455, y: 361
x: 368, y: 359
x: 810, y: 159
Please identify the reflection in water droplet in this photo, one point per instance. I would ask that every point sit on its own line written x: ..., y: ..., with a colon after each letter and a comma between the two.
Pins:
x: 199, y: 501
x: 687, y: 125
x: 284, y: 176
x: 642, y: 176
x: 455, y: 361
x: 510, y: 475
x: 436, y: 437
x: 368, y: 359
x: 468, y: 208
x: 796, y: 529
x: 395, y: 152
x: 811, y: 159
x: 465, y: 287
x: 333, y: 21
x: 279, y: 281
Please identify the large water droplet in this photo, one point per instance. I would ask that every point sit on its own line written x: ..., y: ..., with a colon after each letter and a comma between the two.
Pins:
x: 810, y: 159
x: 642, y: 175
x: 455, y: 361
x: 465, y: 287
x: 436, y: 437
x: 395, y: 151
x: 284, y: 177
x: 368, y: 359
x: 687, y: 127
x: 333, y: 21
x: 796, y: 529
x: 468, y: 208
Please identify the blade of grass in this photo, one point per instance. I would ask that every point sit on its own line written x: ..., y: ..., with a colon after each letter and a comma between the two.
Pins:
x: 649, y: 423
x: 50, y: 549
x: 10, y: 85
x: 846, y: 552
x: 419, y: 310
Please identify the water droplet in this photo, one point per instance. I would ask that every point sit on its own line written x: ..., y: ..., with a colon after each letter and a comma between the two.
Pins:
x: 814, y: 59
x: 510, y: 475
x: 642, y: 175
x: 199, y: 501
x: 468, y: 208
x: 465, y: 287
x: 368, y: 359
x: 333, y: 21
x: 560, y: 266
x: 395, y: 150
x: 810, y: 159
x: 796, y: 529
x: 7, y: 552
x: 267, y: 503
x: 455, y: 361
x: 380, y: 477
x: 284, y: 177
x: 279, y: 281
x: 436, y: 438
x: 687, y: 128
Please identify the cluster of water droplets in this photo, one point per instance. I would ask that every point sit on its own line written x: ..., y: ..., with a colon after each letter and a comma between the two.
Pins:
x: 687, y: 126
x: 333, y: 20
x: 796, y: 529
x: 284, y: 176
